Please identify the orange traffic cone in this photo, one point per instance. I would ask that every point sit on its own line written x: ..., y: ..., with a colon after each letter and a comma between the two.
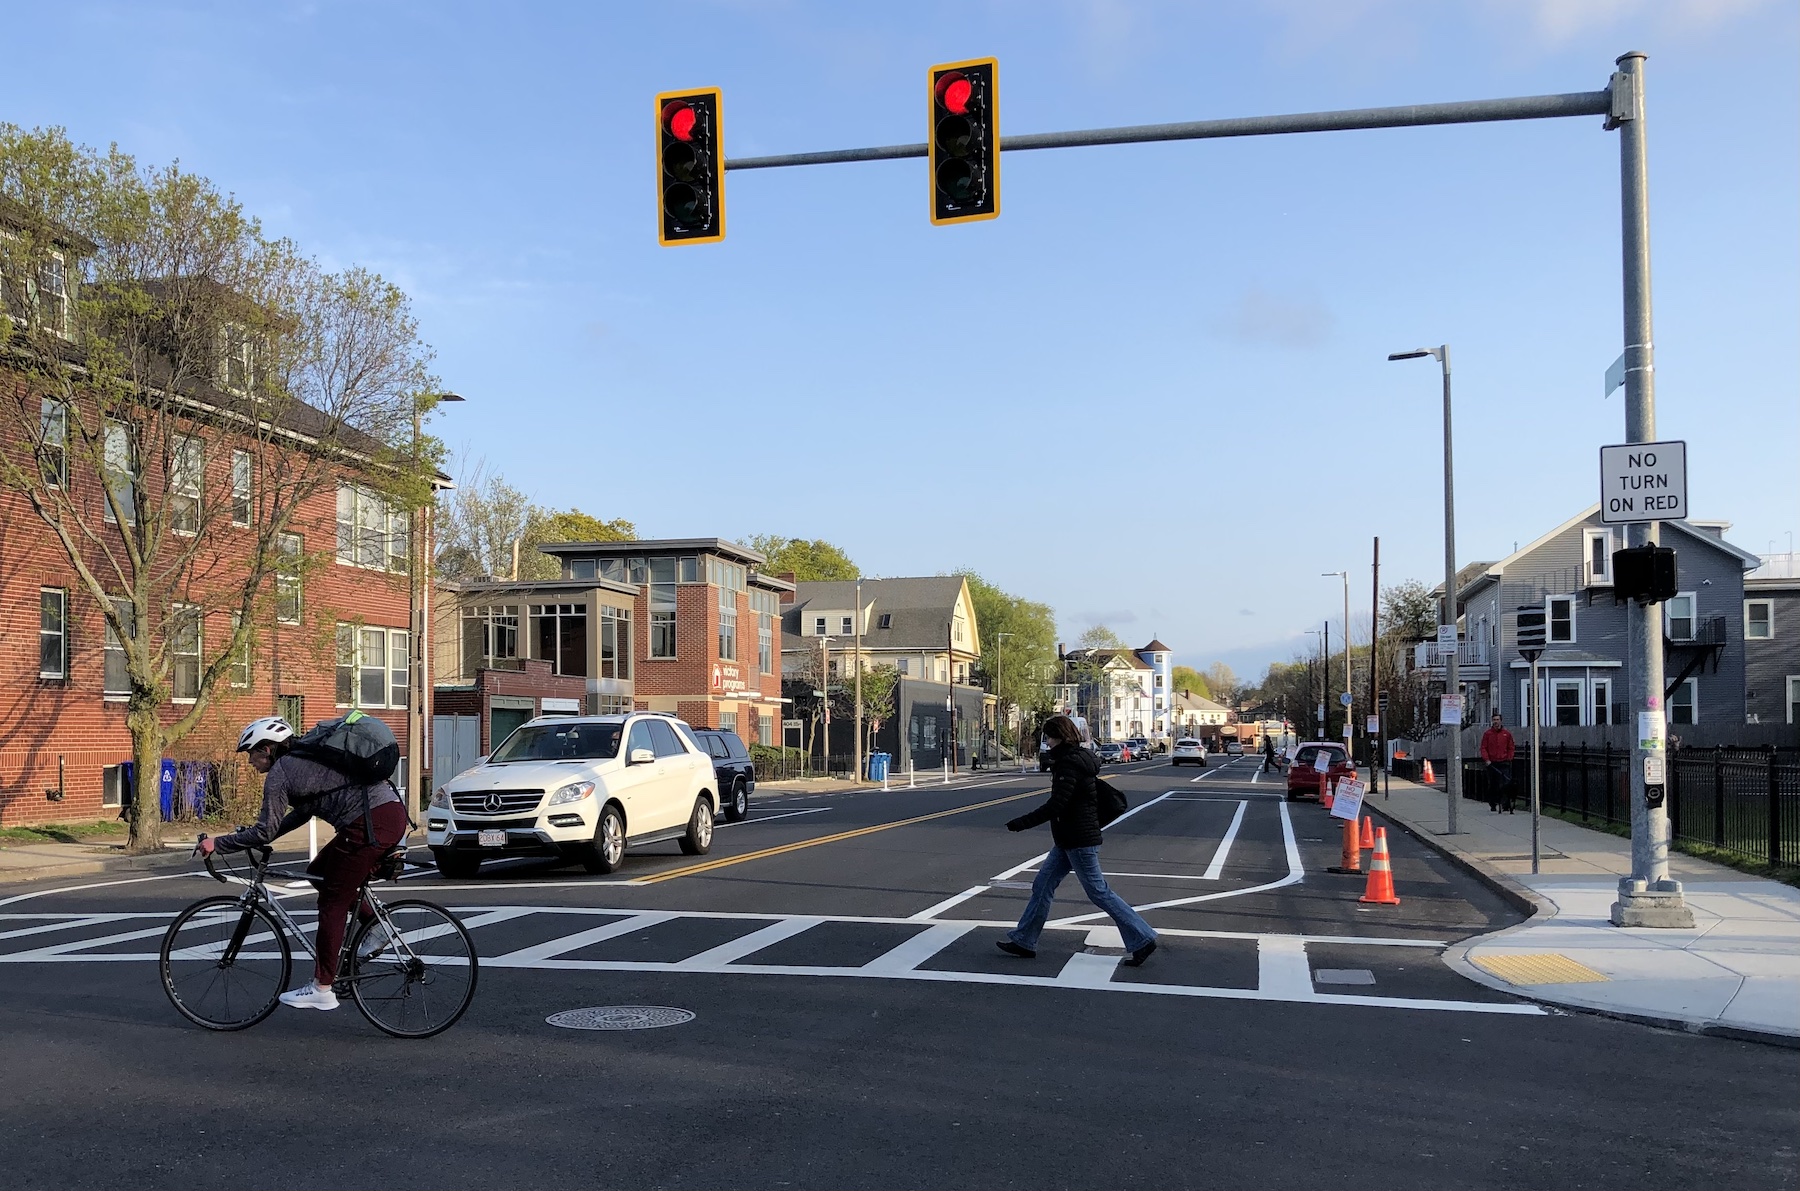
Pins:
x: 1352, y: 860
x: 1380, y: 890
x: 1430, y: 777
x: 1368, y: 834
x: 1329, y: 796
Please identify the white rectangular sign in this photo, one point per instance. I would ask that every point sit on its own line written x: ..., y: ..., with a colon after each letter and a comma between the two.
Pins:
x: 1643, y: 481
x: 1346, y: 802
x: 1446, y: 640
x: 1451, y: 711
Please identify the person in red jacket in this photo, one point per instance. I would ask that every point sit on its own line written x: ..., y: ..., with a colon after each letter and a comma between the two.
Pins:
x: 1497, y: 751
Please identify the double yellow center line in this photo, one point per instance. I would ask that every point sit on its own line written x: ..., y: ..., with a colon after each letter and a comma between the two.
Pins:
x: 727, y: 861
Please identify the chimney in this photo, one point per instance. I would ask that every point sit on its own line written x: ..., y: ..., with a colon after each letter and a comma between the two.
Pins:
x: 787, y: 597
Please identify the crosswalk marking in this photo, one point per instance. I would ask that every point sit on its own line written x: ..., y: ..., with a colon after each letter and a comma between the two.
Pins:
x: 750, y: 944
x: 526, y: 956
x: 916, y: 950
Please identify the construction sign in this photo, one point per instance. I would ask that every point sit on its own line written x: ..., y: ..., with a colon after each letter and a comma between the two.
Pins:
x: 1347, y: 803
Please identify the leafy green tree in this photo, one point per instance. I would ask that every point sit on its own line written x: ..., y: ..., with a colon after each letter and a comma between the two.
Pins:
x: 1018, y: 649
x: 155, y: 331
x: 1190, y: 680
x: 481, y: 520
x: 1101, y: 637
x: 811, y: 561
x: 570, y: 525
x: 1223, y: 684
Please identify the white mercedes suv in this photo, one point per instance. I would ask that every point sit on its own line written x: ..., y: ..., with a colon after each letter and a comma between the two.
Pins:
x: 581, y: 787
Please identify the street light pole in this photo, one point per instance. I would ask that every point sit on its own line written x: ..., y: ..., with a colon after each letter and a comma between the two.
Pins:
x: 418, y: 619
x: 1447, y: 607
x: 999, y: 698
x: 857, y: 625
x: 1349, y: 720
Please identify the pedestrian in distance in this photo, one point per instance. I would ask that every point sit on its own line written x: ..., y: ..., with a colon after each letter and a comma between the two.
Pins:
x: 1073, y: 812
x: 1497, y: 751
x: 1268, y: 755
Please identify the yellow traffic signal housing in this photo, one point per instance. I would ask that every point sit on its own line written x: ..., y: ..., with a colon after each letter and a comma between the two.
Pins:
x: 690, y: 168
x: 965, y: 141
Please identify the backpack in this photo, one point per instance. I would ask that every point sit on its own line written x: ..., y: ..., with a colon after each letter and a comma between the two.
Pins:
x: 359, y: 746
x: 1109, y: 801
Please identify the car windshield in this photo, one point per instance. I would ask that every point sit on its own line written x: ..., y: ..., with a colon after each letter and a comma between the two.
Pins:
x: 560, y: 742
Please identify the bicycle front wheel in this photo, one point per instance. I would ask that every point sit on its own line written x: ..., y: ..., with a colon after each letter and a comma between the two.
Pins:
x: 416, y: 980
x: 224, y: 963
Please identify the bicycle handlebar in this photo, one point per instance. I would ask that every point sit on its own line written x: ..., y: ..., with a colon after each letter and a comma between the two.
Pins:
x: 267, y: 854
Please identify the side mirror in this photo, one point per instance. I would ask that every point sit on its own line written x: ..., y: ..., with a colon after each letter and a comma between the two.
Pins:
x: 639, y: 757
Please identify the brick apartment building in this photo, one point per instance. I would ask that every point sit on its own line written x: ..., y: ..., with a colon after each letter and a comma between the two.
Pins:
x: 332, y: 633
x: 683, y: 625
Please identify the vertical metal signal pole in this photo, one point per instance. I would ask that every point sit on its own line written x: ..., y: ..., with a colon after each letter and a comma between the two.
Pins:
x: 1537, y: 747
x: 1647, y: 897
x: 1447, y: 610
x: 857, y: 752
x: 1377, y: 738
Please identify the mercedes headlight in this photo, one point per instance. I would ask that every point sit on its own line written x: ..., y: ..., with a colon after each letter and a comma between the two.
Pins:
x: 441, y: 799
x: 573, y: 792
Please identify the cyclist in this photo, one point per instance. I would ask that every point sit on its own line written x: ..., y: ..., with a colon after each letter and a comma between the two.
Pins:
x: 296, y: 789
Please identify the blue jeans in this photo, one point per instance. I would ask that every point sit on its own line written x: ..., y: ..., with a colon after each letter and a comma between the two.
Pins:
x: 1085, y: 864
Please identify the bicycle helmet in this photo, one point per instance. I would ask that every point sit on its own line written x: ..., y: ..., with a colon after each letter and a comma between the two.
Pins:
x: 268, y: 730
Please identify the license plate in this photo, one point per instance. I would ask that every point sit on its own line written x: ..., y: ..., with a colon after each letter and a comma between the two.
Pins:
x: 491, y: 839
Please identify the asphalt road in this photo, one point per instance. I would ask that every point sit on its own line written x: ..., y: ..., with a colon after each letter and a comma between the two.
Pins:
x: 856, y: 1027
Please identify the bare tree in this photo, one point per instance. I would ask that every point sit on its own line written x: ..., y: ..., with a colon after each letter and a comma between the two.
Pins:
x: 179, y: 399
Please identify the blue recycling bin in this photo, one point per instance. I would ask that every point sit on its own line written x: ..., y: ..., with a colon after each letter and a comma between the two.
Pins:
x: 878, y: 767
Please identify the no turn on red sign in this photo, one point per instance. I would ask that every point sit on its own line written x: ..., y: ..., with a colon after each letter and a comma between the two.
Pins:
x: 1643, y: 481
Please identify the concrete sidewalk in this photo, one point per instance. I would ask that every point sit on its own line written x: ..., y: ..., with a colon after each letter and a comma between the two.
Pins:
x: 1737, y: 972
x: 58, y: 861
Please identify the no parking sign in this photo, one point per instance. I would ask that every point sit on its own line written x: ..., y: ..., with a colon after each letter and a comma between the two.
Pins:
x: 1347, y: 802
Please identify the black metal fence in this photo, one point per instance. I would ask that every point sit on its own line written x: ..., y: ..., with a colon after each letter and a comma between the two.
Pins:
x: 1742, y: 800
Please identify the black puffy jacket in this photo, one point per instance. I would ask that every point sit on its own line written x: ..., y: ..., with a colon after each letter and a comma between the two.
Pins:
x: 1071, y: 809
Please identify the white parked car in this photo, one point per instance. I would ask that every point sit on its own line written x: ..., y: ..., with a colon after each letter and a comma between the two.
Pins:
x: 581, y: 787
x: 1187, y: 751
x: 1234, y: 748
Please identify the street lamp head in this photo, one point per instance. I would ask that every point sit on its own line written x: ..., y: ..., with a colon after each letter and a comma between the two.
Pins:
x: 1436, y: 353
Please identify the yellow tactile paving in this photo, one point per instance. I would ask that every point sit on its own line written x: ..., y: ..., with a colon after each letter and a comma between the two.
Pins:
x: 1544, y: 968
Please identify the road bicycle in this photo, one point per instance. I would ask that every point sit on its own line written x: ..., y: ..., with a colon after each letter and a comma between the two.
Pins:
x: 411, y: 969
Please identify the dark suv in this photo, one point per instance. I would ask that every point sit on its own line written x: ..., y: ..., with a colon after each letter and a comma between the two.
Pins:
x: 732, y: 765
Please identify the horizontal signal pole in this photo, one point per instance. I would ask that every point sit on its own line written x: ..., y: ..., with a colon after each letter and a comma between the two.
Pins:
x: 1475, y: 111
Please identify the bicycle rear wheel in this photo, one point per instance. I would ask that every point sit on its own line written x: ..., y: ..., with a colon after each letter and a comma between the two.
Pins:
x: 418, y: 984
x: 224, y: 964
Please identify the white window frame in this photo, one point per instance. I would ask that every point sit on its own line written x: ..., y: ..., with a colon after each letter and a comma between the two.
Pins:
x: 371, y: 533
x: 236, y: 346
x: 243, y: 468
x: 238, y: 674
x: 847, y: 626
x: 181, y: 615
x: 55, y: 267
x: 1793, y: 698
x: 1525, y: 701
x: 54, y: 414
x: 289, y: 550
x: 1600, y: 710
x: 1693, y: 615
x: 396, y: 676
x: 187, y: 476
x: 1768, y: 607
x: 1596, y: 576
x: 120, y: 462
x: 1558, y: 685
x: 1550, y: 636
x: 60, y: 634
x: 127, y: 614
x: 1692, y: 687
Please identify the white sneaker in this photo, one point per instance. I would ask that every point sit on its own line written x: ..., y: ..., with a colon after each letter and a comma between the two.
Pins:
x: 310, y: 996
x: 374, y: 943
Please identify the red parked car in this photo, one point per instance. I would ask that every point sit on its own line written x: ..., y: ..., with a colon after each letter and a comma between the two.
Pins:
x: 1315, y: 765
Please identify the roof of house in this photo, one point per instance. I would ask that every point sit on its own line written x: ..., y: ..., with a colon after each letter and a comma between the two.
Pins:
x: 1709, y: 532
x: 918, y: 610
x: 719, y: 546
x: 492, y: 586
x: 1777, y: 572
x: 1188, y: 701
x: 1155, y: 646
x: 1126, y: 656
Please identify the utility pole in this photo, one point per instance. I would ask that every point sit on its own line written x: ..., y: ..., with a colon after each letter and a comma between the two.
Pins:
x: 857, y: 752
x: 1325, y: 685
x: 1648, y: 897
x: 825, y: 701
x: 1378, y: 738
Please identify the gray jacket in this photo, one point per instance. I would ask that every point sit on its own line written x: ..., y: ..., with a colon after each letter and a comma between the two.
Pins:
x: 289, y: 800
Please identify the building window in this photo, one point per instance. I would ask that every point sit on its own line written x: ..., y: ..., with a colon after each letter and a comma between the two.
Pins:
x: 957, y: 628
x: 727, y: 625
x: 1759, y: 619
x: 559, y: 634
x: 847, y: 626
x: 240, y: 487
x: 237, y: 350
x: 119, y: 462
x: 728, y: 720
x: 661, y: 575
x: 765, y: 729
x: 1567, y: 694
x: 765, y: 643
x: 370, y: 532
x: 399, y: 667
x: 580, y: 568
x: 885, y: 621
x: 615, y: 642
x: 346, y: 665
x: 1598, y: 562
x: 53, y: 295
x: 1561, y: 611
x: 117, y: 680
x: 112, y: 786
x: 1680, y: 613
x: 288, y: 549
x: 490, y: 634
x: 292, y: 708
x: 1684, y: 704
x: 1793, y: 698
x: 372, y: 666
x: 240, y: 660
x: 187, y: 464
x: 53, y: 455
x: 53, y: 632
x: 904, y: 665
x: 1602, y: 701
x: 184, y: 647
x: 818, y: 626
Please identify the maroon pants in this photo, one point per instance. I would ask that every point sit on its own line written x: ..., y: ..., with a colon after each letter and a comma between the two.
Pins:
x: 340, y: 869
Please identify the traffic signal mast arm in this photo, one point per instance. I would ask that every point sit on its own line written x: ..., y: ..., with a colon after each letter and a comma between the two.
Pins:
x: 1477, y: 111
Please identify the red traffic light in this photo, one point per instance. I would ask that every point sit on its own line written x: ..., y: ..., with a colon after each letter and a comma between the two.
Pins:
x: 679, y: 119
x: 954, y: 91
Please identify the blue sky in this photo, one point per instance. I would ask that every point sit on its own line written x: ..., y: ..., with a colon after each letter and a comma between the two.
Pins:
x: 1153, y: 392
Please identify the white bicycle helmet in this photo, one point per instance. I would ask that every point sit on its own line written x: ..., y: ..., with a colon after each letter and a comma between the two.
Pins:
x: 268, y: 730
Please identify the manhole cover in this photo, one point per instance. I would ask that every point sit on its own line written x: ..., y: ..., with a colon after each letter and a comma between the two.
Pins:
x: 620, y: 1017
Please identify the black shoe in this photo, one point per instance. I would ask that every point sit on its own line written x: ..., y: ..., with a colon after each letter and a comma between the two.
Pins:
x: 1012, y: 948
x: 1136, y: 958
